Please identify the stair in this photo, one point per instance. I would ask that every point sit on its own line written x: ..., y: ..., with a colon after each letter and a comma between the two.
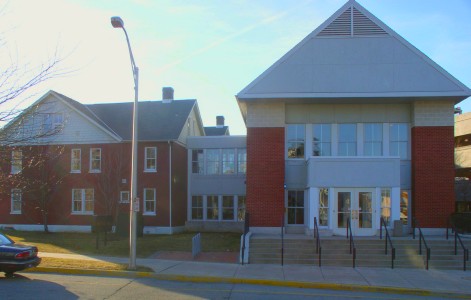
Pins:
x: 300, y: 249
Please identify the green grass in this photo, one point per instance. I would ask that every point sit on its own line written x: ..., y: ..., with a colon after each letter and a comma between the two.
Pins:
x: 85, y: 243
x: 67, y: 263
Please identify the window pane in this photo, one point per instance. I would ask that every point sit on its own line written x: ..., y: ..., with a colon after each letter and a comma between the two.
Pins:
x: 295, y: 140
x: 212, y: 161
x: 241, y: 208
x: 212, y: 211
x: 323, y: 207
x: 404, y: 206
x: 151, y: 158
x: 228, y: 208
x: 347, y: 139
x: 373, y: 139
x: 197, y: 208
x: 321, y: 141
x: 197, y: 161
x: 399, y: 140
x: 228, y: 161
x: 242, y: 161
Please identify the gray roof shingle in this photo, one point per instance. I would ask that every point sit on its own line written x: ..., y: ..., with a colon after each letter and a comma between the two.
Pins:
x: 157, y: 121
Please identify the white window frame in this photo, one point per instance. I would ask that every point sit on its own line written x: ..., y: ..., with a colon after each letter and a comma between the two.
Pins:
x: 193, y: 198
x: 392, y: 139
x: 154, y: 200
x: 216, y: 163
x: 83, y: 202
x: 367, y: 141
x: 297, y: 140
x: 92, y: 160
x: 16, y: 161
x: 123, y: 198
x: 352, y: 145
x: 15, y: 192
x: 323, y: 142
x: 77, y: 160
x: 197, y: 163
x: 227, y: 155
x: 149, y: 159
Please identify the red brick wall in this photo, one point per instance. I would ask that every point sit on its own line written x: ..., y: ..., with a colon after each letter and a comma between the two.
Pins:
x: 265, y: 176
x: 179, y: 184
x: 433, y: 195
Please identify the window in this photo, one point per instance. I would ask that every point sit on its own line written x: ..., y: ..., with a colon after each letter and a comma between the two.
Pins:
x: 124, y: 197
x: 149, y: 201
x: 95, y: 160
x: 197, y: 161
x: 296, y: 207
x: 242, y: 161
x: 16, y: 161
x: 347, y: 140
x: 212, y: 161
x: 52, y: 121
x: 398, y: 140
x: 82, y: 201
x: 76, y: 161
x: 372, y: 139
x: 324, y: 207
x: 150, y: 159
x: 228, y: 161
x: 295, y: 140
x: 228, y: 208
x: 240, y: 208
x: 16, y: 201
x: 212, y: 210
x: 197, y: 208
x: 321, y: 140
x: 404, y: 206
x: 386, y: 206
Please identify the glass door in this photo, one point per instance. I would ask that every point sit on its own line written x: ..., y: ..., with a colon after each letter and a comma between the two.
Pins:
x: 358, y: 205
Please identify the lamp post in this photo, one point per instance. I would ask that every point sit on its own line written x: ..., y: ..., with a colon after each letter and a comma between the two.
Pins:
x: 117, y: 22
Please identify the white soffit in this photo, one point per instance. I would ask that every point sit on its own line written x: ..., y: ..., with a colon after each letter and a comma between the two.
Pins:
x: 351, y: 55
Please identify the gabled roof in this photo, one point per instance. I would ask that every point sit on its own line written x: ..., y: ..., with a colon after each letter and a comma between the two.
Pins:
x: 215, y: 131
x: 157, y: 121
x: 353, y: 55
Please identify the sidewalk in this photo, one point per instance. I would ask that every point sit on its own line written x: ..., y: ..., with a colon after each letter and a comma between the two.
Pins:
x: 404, y: 281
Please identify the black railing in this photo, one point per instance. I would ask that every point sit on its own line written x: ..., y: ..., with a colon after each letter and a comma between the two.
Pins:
x: 415, y: 224
x: 246, y: 230
x: 386, y: 240
x: 282, y: 237
x: 458, y: 238
x: 353, y: 249
x: 318, y: 240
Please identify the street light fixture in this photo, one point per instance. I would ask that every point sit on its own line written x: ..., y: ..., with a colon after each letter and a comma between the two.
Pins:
x: 117, y: 22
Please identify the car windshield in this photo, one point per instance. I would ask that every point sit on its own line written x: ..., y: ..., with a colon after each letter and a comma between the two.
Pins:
x: 4, y: 240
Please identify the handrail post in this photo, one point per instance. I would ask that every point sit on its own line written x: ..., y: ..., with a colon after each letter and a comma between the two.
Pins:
x: 282, y: 237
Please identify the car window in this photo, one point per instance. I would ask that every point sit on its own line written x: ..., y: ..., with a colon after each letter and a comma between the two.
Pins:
x: 5, y: 240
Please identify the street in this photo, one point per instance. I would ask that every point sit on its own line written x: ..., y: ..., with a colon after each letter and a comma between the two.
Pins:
x: 56, y: 286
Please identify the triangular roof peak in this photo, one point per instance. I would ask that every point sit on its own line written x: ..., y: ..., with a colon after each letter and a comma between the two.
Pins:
x: 354, y: 55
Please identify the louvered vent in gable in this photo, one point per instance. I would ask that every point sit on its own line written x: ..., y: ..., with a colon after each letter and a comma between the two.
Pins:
x: 340, y: 26
x: 362, y: 25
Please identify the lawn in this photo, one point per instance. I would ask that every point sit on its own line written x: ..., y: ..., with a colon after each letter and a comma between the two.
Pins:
x: 85, y: 243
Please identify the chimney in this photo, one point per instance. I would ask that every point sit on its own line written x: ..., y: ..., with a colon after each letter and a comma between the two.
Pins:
x: 167, y: 94
x: 220, y: 121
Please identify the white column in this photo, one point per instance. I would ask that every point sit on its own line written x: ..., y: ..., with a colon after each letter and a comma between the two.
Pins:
x: 395, y: 204
x: 313, y: 206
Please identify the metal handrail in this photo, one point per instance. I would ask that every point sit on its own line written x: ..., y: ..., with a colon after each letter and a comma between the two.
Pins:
x: 318, y: 240
x: 388, y: 238
x: 415, y: 224
x: 353, y: 249
x: 282, y: 237
x: 457, y: 237
x: 246, y: 230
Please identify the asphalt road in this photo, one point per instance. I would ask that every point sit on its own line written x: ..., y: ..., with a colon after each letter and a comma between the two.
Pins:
x: 56, y: 286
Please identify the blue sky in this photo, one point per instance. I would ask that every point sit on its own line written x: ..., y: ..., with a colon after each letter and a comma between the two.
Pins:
x: 207, y: 49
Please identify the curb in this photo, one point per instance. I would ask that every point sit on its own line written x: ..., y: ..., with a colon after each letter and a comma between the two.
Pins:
x: 280, y: 283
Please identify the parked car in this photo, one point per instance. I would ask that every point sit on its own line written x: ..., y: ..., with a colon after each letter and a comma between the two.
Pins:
x: 16, y: 257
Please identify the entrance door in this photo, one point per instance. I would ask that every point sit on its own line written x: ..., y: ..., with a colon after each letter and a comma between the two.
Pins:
x: 358, y: 205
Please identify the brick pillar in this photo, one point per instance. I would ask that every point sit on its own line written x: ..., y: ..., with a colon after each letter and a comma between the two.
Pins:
x: 433, y: 171
x: 265, y: 176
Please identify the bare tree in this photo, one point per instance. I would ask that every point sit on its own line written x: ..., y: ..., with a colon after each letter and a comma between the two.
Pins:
x: 41, y: 173
x: 109, y: 181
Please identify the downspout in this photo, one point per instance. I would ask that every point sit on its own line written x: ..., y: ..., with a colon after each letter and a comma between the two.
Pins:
x: 170, y: 183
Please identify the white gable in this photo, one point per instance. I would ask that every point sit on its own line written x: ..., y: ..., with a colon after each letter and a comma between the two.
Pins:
x: 76, y: 128
x: 353, y: 54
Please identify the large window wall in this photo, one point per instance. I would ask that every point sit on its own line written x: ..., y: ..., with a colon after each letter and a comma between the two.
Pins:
x: 348, y: 139
x: 219, y: 161
x: 218, y: 208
